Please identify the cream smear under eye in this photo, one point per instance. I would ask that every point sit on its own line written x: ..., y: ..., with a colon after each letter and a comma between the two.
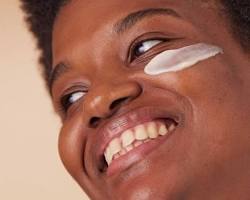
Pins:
x: 180, y: 59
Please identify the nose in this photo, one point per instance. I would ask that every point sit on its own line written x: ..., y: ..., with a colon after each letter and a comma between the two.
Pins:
x: 108, y: 99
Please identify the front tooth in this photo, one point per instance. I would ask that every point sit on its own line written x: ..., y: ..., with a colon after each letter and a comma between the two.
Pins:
x: 152, y: 130
x: 115, y: 146
x: 127, y: 138
x: 108, y: 156
x: 163, y: 130
x: 140, y: 133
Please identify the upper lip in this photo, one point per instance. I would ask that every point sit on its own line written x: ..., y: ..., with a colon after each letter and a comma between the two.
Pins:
x: 119, y: 124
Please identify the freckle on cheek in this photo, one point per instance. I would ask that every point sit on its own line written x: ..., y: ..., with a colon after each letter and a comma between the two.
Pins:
x: 180, y: 59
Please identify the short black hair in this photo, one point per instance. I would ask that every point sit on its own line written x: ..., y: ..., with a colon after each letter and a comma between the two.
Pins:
x: 41, y: 14
x: 238, y: 11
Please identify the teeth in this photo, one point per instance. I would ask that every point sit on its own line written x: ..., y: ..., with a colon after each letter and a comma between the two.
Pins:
x: 140, y: 133
x: 115, y: 146
x: 152, y: 131
x: 135, y: 137
x: 163, y: 130
x: 108, y: 156
x: 127, y: 138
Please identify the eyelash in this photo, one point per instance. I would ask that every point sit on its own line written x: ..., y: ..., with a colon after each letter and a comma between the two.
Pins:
x: 133, y: 54
x: 65, y: 103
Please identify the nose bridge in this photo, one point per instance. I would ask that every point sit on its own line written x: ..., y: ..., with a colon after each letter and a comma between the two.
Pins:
x: 108, y: 95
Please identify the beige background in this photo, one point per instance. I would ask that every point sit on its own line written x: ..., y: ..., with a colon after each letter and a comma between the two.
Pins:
x: 30, y: 168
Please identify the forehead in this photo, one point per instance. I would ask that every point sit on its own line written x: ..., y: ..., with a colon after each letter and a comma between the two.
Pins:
x: 87, y: 15
x: 93, y: 20
x: 99, y: 10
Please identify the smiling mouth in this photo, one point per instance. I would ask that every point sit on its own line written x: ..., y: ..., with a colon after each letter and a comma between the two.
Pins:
x: 133, y: 144
x: 136, y: 136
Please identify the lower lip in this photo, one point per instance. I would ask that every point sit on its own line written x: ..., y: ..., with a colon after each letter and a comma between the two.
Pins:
x: 135, y: 155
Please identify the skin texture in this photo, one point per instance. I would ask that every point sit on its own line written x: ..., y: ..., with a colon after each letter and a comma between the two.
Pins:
x: 207, y: 157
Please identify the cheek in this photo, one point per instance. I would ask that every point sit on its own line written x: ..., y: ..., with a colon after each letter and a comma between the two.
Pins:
x: 209, y: 85
x: 71, y: 146
x: 220, y: 128
x: 215, y: 93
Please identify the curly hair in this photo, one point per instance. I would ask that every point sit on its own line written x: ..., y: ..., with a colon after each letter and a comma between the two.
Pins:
x: 40, y: 16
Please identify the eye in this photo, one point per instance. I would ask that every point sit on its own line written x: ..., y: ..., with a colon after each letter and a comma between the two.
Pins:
x: 144, y: 46
x: 69, y: 99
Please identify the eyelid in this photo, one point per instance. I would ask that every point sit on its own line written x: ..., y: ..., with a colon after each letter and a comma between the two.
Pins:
x: 61, y: 108
x: 66, y: 104
x: 73, y: 89
x: 74, y: 94
x: 136, y: 44
x: 155, y: 35
x: 140, y: 38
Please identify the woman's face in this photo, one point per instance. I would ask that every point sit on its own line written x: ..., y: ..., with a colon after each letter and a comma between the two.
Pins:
x: 129, y: 135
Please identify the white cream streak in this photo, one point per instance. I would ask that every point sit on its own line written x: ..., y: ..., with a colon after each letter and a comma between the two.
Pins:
x: 180, y: 59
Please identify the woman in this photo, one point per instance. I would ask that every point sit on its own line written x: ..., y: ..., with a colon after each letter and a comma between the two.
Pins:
x: 154, y: 96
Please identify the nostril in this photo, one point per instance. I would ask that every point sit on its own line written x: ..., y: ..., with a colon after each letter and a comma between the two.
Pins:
x: 118, y: 102
x: 94, y: 121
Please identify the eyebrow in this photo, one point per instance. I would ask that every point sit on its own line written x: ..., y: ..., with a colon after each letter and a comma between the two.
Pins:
x: 120, y: 27
x: 130, y: 20
x: 60, y: 69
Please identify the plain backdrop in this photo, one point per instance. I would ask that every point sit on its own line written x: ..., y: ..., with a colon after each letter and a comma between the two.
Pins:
x: 30, y: 168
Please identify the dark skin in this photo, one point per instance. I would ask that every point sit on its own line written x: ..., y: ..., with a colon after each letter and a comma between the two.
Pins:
x: 207, y: 156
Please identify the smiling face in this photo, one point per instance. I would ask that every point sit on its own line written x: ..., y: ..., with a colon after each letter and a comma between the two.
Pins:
x: 129, y: 135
